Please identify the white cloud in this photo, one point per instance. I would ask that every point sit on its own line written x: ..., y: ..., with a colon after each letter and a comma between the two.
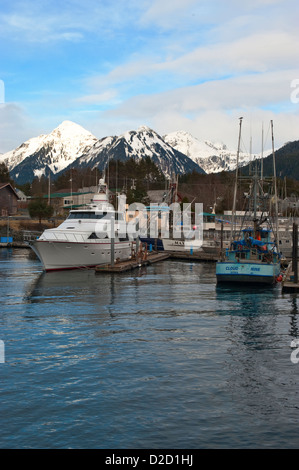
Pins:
x: 209, y: 110
x: 173, y: 64
x: 168, y: 13
x: 15, y: 127
x: 108, y: 96
x: 257, y: 53
x: 41, y: 22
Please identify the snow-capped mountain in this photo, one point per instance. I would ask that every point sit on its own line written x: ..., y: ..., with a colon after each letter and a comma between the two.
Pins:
x: 70, y: 145
x: 212, y: 157
x: 49, y: 153
x: 138, y: 144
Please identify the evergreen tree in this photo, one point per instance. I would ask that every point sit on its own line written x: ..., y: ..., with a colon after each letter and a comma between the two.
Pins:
x: 4, y: 174
x: 39, y: 208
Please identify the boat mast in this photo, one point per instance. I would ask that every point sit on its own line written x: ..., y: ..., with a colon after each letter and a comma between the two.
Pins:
x: 236, y: 183
x: 275, y: 183
x: 262, y: 155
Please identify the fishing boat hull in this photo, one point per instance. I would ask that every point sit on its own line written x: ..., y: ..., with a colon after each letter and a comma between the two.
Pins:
x: 255, y: 273
x: 56, y: 255
x: 154, y: 243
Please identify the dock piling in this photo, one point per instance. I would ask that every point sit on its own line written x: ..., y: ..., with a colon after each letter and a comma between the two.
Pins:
x: 295, y: 252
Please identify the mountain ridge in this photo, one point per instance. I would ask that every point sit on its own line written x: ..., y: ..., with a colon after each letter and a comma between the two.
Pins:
x: 144, y: 142
x: 71, y: 146
x: 212, y: 157
x: 286, y: 162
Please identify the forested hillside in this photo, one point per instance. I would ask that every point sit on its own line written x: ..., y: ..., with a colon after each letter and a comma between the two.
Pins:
x: 287, y: 162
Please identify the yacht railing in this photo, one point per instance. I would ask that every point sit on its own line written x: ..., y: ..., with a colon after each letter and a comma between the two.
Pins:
x: 72, y: 238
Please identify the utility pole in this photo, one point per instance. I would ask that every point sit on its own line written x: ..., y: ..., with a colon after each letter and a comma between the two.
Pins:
x: 295, y: 253
x: 49, y: 190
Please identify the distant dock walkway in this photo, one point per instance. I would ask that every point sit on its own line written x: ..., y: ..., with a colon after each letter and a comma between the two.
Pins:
x: 128, y: 265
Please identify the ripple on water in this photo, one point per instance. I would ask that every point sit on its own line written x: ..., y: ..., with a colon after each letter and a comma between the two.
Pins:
x: 155, y: 358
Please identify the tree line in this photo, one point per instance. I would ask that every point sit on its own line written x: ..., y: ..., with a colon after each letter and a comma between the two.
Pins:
x: 136, y: 177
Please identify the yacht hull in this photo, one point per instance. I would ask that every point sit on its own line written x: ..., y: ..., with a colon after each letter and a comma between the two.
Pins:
x: 57, y: 255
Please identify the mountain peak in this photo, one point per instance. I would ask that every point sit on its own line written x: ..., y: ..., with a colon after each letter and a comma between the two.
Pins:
x: 70, y: 129
x: 144, y: 128
x: 212, y: 157
x: 49, y: 152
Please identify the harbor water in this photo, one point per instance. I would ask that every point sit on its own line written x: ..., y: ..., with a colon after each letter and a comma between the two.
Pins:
x: 156, y: 358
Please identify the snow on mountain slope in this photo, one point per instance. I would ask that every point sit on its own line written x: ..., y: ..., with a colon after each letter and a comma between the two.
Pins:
x: 212, y: 157
x: 52, y: 152
x: 138, y: 144
x: 70, y: 145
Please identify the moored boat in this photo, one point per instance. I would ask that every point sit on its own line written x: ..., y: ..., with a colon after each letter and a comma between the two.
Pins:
x: 253, y: 256
x: 87, y: 238
x: 252, y: 259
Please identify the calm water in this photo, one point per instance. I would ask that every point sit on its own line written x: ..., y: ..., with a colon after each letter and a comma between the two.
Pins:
x: 158, y: 358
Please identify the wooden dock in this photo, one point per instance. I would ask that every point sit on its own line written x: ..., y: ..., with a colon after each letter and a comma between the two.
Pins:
x: 123, y: 266
x: 288, y: 281
x: 14, y: 245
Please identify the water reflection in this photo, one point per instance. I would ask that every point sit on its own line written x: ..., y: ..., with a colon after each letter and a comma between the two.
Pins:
x: 78, y: 285
x: 247, y: 300
x: 294, y: 331
x: 214, y: 360
x: 258, y: 355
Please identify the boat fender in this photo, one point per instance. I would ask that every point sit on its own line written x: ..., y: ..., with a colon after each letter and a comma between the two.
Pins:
x: 279, y: 278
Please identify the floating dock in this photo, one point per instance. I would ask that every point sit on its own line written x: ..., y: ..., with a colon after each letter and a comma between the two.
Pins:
x: 288, y: 281
x: 14, y: 245
x: 128, y: 265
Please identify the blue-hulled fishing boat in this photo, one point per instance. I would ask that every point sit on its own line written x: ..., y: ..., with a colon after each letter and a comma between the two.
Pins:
x: 253, y: 255
x: 252, y: 259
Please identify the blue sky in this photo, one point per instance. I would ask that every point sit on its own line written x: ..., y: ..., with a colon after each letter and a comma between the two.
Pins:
x: 194, y: 65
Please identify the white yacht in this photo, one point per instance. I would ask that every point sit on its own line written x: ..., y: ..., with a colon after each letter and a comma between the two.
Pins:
x: 85, y: 238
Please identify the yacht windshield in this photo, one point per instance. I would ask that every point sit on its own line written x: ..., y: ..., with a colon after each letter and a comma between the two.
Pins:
x: 87, y: 215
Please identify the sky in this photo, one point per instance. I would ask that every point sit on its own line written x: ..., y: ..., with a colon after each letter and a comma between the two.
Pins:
x: 113, y: 66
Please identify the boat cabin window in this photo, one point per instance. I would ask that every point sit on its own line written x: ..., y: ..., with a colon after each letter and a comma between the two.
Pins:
x: 86, y: 215
x: 94, y: 236
x: 264, y: 235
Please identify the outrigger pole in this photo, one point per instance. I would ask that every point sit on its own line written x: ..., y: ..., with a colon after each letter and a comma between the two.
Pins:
x: 275, y: 185
x: 236, y: 184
